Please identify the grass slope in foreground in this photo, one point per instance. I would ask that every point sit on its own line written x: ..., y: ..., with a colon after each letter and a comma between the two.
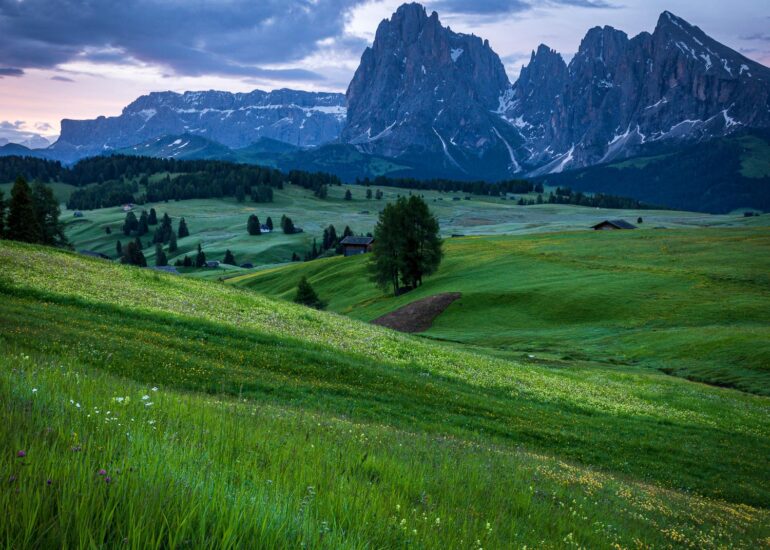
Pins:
x: 695, y: 303
x: 343, y: 435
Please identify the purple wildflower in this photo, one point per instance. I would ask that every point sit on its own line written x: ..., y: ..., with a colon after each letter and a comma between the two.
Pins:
x: 107, y: 479
x: 48, y: 482
x: 102, y: 472
x: 21, y: 454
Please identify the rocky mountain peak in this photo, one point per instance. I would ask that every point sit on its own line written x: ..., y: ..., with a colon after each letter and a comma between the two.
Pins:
x: 423, y: 91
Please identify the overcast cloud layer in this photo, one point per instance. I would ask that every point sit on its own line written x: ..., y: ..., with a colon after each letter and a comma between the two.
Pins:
x: 81, y: 58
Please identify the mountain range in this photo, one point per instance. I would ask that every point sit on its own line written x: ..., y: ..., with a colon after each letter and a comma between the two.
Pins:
x: 426, y: 101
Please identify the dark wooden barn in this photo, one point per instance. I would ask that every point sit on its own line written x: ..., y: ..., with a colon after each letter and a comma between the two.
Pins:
x: 356, y: 245
x: 612, y: 225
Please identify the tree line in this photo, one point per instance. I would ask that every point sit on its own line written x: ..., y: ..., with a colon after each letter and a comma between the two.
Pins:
x: 31, y: 215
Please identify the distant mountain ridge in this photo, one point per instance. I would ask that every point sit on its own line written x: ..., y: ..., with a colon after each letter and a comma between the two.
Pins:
x: 426, y: 102
x: 235, y: 120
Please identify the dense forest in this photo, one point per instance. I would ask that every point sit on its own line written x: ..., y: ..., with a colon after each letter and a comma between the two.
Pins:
x: 732, y: 173
x: 122, y: 179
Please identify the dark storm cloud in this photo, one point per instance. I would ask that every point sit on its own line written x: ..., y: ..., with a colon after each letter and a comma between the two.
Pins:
x: 10, y: 71
x: 227, y: 37
x: 500, y: 7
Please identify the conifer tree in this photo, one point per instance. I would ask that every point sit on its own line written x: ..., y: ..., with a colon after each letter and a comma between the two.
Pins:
x: 368, y: 193
x: 152, y: 219
x: 183, y: 231
x: 133, y: 256
x: 200, y: 258
x: 229, y: 258
x: 22, y: 219
x: 119, y: 249
x: 348, y: 195
x: 269, y: 223
x: 2, y: 215
x: 307, y: 296
x: 143, y: 227
x: 253, y: 225
x: 172, y: 246
x: 131, y: 224
x: 160, y: 256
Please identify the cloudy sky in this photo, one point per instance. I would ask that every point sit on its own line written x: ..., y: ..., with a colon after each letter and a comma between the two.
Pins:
x: 84, y: 58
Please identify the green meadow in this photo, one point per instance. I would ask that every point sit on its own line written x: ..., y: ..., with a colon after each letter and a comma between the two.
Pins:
x: 149, y: 410
x: 220, y: 224
x: 689, y: 302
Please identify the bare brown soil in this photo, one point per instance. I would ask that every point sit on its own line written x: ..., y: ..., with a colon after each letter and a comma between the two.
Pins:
x: 419, y: 315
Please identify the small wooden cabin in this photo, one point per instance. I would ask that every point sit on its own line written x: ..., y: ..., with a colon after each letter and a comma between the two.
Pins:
x: 612, y: 225
x: 352, y: 246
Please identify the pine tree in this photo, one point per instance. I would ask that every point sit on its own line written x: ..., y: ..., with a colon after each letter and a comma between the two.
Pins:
x: 2, y: 215
x: 119, y: 249
x: 183, y: 232
x: 253, y: 226
x: 347, y: 232
x: 131, y: 224
x: 152, y: 219
x: 47, y: 214
x: 160, y: 256
x: 639, y: 220
x: 108, y: 230
x: 172, y: 246
x: 22, y: 219
x: 378, y: 195
x: 143, y: 227
x: 138, y: 243
x: 287, y: 225
x: 229, y: 258
x: 269, y: 223
x: 187, y: 262
x: 240, y: 194
x: 200, y: 258
x: 133, y: 256
x: 294, y: 257
x: 348, y: 195
x: 307, y: 296
x: 368, y: 193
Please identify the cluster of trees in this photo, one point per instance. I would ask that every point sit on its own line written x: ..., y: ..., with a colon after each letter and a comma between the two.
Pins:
x: 31, y: 168
x: 254, y: 227
x: 198, y: 261
x: 163, y: 234
x: 565, y: 195
x: 407, y: 247
x: 31, y: 215
x: 330, y: 243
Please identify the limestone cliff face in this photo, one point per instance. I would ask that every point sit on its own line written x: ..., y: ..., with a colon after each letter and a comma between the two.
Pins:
x: 427, y: 94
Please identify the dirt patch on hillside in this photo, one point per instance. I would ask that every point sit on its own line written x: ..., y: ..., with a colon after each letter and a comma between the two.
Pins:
x: 417, y: 316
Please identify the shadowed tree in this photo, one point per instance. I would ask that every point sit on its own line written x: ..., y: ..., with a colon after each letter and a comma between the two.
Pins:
x: 22, y: 219
x: 307, y: 296
x: 183, y: 232
x: 200, y: 258
x: 160, y: 256
x: 229, y: 258
x: 253, y: 226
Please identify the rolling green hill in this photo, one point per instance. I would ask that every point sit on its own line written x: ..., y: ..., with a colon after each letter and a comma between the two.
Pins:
x: 716, y: 176
x: 220, y: 224
x: 694, y: 303
x: 154, y: 410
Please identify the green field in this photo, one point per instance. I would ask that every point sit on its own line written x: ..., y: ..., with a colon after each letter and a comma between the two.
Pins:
x: 224, y: 418
x: 219, y: 224
x: 694, y: 303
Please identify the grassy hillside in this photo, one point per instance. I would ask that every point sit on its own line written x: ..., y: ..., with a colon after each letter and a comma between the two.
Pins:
x: 219, y: 224
x: 694, y: 303
x: 223, y: 418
